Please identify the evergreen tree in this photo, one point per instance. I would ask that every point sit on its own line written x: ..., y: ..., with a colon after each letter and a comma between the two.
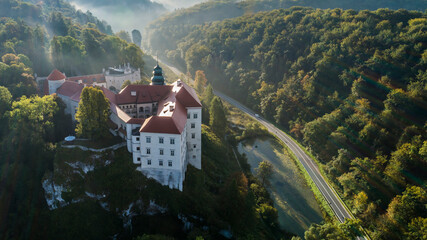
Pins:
x: 218, y: 121
x: 92, y: 114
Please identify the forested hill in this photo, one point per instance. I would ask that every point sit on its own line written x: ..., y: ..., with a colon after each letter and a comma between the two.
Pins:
x: 41, y: 12
x: 351, y: 85
x: 161, y: 35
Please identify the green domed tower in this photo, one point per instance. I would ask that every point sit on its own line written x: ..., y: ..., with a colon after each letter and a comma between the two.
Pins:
x: 157, y: 78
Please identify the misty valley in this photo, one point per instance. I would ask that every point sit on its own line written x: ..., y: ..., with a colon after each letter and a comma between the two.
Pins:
x: 213, y: 119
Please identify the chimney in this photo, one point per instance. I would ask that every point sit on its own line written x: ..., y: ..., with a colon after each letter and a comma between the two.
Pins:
x: 171, y: 108
x: 179, y: 83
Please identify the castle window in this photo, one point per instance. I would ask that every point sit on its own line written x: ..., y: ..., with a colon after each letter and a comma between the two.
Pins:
x: 194, y: 156
x: 160, y: 140
x: 160, y: 162
x: 138, y: 148
x: 195, y: 116
x: 148, y: 161
x: 194, y: 145
x: 193, y: 125
x: 148, y: 139
x: 148, y: 151
x: 193, y: 135
x: 188, y: 115
x: 172, y: 152
x: 161, y: 151
x: 170, y: 163
x: 137, y: 139
x: 172, y: 141
x: 138, y: 159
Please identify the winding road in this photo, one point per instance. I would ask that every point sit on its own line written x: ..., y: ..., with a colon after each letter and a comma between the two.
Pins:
x: 309, y: 165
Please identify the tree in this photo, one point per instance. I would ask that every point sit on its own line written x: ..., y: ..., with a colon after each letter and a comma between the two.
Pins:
x: 5, y: 100
x: 207, y: 97
x: 264, y: 172
x: 200, y: 81
x: 124, y: 35
x: 218, y: 121
x: 5, y: 104
x: 92, y: 114
x: 133, y: 55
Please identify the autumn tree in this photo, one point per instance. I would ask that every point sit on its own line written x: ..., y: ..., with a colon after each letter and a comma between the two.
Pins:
x: 92, y: 114
x: 200, y: 81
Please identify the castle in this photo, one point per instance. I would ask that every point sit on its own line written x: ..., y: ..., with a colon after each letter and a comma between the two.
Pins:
x: 160, y: 123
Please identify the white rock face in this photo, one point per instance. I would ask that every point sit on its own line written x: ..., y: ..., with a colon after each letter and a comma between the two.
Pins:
x: 53, y: 194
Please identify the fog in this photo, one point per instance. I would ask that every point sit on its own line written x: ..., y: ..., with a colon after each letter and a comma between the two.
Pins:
x: 173, y: 4
x: 130, y: 14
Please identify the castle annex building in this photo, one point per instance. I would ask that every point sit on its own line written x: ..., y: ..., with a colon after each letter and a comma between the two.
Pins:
x: 160, y: 123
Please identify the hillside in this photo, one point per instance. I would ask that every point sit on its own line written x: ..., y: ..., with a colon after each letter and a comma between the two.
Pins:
x: 40, y: 12
x: 105, y: 188
x: 163, y: 39
x: 351, y: 85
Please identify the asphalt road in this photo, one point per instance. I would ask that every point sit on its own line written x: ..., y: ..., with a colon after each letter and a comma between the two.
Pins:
x: 310, y: 166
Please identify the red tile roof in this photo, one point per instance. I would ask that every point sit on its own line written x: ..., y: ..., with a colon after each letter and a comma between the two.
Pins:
x: 144, y: 94
x: 173, y: 120
x: 169, y: 119
x: 72, y: 90
x: 56, y: 75
x: 156, y: 124
x: 187, y: 96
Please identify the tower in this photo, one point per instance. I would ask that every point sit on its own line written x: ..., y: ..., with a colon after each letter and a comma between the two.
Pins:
x: 157, y: 78
x: 55, y: 80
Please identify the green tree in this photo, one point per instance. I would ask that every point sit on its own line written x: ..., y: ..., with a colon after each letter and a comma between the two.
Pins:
x: 124, y: 35
x: 92, y: 114
x: 264, y: 172
x: 206, y: 98
x: 68, y: 53
x: 5, y: 100
x: 218, y: 121
x: 133, y: 54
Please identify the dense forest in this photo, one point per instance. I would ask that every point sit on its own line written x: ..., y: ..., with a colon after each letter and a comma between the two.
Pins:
x: 60, y: 41
x: 351, y: 85
x: 213, y: 203
x: 39, y: 12
x: 162, y: 35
